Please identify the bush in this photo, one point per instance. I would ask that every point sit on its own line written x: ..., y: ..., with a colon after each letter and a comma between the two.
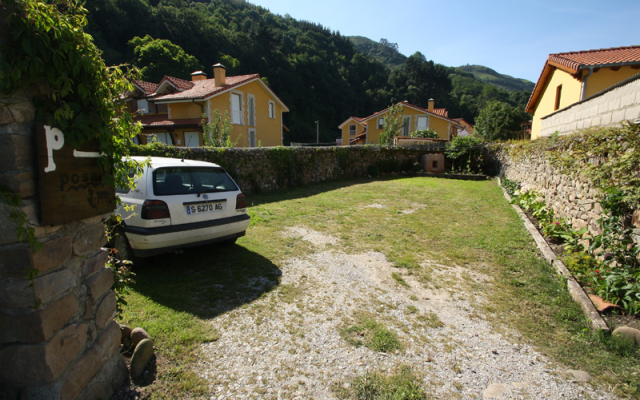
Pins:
x: 466, y: 153
x: 425, y: 133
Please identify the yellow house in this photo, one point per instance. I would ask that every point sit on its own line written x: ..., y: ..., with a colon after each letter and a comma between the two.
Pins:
x: 171, y: 110
x: 414, y: 117
x: 570, y: 77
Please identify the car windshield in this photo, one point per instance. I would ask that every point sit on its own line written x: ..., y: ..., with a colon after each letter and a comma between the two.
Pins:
x: 188, y: 180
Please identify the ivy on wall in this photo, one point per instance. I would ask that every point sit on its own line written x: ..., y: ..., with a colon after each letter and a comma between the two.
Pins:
x: 608, y: 157
x: 48, y: 54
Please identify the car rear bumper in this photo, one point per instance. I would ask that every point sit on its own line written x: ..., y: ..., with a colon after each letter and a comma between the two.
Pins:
x: 150, y: 241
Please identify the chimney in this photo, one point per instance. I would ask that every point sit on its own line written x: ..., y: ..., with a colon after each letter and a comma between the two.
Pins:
x: 198, y: 76
x: 220, y: 74
x: 431, y: 104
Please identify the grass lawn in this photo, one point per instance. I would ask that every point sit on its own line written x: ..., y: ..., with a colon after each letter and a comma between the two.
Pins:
x: 410, y: 220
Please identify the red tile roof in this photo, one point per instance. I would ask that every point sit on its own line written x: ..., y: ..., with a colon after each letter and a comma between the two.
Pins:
x: 202, y: 89
x: 147, y: 87
x: 206, y: 88
x: 440, y: 112
x: 602, y: 57
x: 357, y: 119
x: 572, y: 62
x: 177, y: 82
x: 357, y: 138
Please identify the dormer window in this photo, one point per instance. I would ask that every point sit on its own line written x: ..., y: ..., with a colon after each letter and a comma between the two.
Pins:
x: 143, y: 106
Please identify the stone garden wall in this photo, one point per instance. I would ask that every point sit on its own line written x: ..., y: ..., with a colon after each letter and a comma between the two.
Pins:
x: 259, y: 170
x: 68, y: 347
x: 570, y: 198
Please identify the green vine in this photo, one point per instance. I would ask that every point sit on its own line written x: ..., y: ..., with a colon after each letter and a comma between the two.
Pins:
x: 608, y: 157
x: 48, y: 55
x: 24, y: 232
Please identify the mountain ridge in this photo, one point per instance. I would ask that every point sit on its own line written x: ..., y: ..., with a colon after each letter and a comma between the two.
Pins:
x: 392, y: 58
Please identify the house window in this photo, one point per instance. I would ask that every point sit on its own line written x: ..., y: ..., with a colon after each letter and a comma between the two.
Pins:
x: 191, y: 139
x: 272, y: 109
x: 380, y: 123
x: 143, y: 106
x: 162, y: 137
x: 406, y: 126
x: 558, y: 93
x: 236, y: 108
x: 353, y: 130
x: 252, y: 138
x: 251, y: 105
x: 422, y: 123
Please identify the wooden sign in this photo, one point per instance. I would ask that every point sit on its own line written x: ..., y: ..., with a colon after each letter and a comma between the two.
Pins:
x: 70, y: 181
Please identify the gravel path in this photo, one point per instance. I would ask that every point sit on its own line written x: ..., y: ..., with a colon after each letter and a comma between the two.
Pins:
x: 287, y: 344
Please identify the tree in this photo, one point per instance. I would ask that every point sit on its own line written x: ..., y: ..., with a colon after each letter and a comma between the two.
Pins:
x: 159, y: 57
x: 393, y: 122
x: 498, y: 121
x: 218, y: 132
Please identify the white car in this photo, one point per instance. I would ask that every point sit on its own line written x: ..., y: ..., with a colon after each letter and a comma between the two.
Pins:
x: 177, y: 204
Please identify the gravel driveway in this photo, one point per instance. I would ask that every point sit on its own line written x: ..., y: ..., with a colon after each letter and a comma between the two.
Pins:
x: 288, y: 343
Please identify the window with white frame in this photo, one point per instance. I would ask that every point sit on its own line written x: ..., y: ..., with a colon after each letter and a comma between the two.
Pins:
x: 272, y: 109
x: 406, y: 125
x: 353, y: 129
x: 380, y: 123
x: 422, y: 123
x: 191, y: 139
x: 252, y: 138
x: 143, y: 106
x: 251, y: 108
x: 236, y: 108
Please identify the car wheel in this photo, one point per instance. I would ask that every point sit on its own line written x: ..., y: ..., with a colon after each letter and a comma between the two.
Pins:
x: 124, y: 250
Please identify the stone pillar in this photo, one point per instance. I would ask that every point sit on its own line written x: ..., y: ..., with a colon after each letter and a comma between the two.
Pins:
x: 68, y: 348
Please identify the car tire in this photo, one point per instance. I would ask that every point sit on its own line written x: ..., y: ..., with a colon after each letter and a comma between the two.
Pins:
x: 124, y: 250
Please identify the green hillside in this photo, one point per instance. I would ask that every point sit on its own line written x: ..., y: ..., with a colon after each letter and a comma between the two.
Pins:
x: 505, y: 82
x: 385, y: 54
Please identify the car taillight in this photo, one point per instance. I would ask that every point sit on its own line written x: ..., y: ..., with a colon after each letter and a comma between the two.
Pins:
x: 241, y: 202
x: 154, y: 209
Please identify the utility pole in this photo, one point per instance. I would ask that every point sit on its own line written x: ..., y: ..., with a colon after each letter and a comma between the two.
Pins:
x: 317, y: 131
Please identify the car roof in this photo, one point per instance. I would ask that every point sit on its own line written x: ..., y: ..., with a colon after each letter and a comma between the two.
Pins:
x: 157, y: 162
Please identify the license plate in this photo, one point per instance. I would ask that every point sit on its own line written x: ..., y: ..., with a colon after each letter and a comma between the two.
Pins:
x: 204, y: 208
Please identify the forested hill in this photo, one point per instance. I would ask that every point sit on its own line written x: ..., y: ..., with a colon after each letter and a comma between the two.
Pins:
x: 387, y: 53
x: 506, y: 82
x: 318, y: 73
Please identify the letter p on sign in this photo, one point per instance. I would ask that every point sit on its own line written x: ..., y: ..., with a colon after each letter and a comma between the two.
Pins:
x: 55, y: 141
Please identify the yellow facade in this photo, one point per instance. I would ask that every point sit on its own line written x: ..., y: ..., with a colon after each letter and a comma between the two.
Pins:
x: 267, y: 128
x: 569, y: 94
x: 571, y: 91
x: 442, y: 126
x: 346, y: 137
x: 605, y: 78
x: 185, y: 110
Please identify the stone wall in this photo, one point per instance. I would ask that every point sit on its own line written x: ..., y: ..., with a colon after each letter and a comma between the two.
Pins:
x: 608, y: 108
x: 571, y: 198
x: 68, y: 347
x: 259, y: 170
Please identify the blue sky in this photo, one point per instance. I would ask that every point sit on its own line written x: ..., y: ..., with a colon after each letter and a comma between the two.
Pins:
x: 514, y: 37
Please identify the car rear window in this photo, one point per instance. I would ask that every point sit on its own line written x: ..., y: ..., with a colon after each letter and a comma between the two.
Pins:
x: 188, y: 180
